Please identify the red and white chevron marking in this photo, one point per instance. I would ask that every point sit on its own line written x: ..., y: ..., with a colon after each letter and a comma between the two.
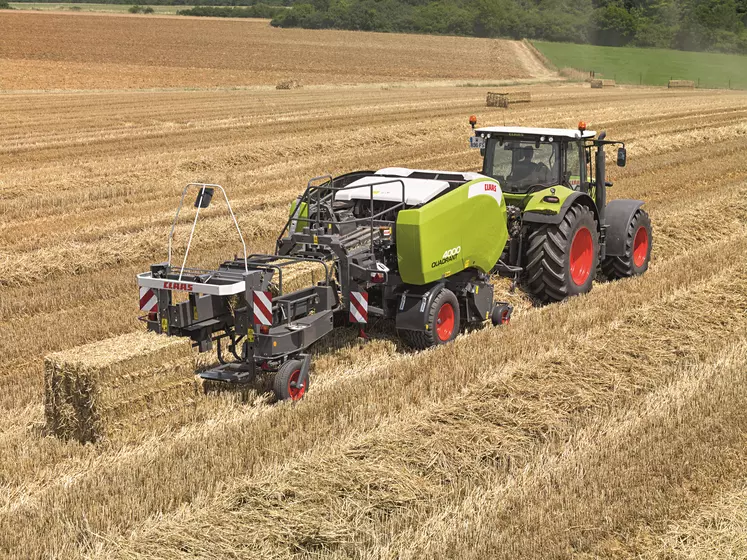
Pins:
x: 148, y: 300
x: 262, y: 302
x: 359, y: 307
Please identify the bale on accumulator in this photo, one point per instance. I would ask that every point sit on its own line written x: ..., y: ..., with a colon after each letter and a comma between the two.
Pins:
x: 92, y: 391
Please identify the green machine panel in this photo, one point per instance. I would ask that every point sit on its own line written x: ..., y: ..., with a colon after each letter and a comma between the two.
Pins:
x: 463, y: 228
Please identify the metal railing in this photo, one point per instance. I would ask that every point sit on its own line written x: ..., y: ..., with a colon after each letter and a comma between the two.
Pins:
x: 315, y: 196
x: 203, y: 187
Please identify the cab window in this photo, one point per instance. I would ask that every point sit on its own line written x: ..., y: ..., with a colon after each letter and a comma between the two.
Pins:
x: 521, y: 164
x: 573, y: 165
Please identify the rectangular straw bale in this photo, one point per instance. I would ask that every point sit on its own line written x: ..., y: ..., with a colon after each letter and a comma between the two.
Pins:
x: 685, y: 84
x: 504, y: 99
x: 94, y: 390
x: 496, y: 99
x: 519, y: 96
x: 599, y: 84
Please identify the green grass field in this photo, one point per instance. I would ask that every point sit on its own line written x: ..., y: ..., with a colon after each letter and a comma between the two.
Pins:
x: 111, y: 8
x: 630, y: 65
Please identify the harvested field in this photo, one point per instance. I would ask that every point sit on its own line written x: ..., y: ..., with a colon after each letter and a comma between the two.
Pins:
x: 97, y: 51
x: 610, y: 426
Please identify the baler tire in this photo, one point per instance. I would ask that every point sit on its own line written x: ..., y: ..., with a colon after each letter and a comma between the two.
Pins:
x: 432, y: 336
x: 635, y: 260
x: 551, y: 273
x: 290, y: 373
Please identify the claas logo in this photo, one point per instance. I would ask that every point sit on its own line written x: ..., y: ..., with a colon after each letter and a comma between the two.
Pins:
x: 491, y: 187
x: 177, y: 286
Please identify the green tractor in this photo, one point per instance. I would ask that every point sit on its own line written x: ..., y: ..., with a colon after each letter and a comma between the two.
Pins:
x: 413, y: 247
x: 561, y: 227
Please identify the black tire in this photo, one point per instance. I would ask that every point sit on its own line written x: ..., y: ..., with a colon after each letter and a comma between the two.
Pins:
x: 634, y: 261
x: 550, y: 273
x: 438, y: 331
x: 501, y: 314
x: 290, y: 384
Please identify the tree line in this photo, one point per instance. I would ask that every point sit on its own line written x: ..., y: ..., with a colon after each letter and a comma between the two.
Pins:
x: 715, y: 25
x: 175, y: 2
x: 256, y: 11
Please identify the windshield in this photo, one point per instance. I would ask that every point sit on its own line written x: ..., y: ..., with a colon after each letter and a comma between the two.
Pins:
x: 520, y: 164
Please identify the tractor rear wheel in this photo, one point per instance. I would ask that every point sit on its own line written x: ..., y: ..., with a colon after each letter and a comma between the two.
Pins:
x: 442, y: 320
x: 634, y: 261
x: 562, y: 258
x: 290, y: 382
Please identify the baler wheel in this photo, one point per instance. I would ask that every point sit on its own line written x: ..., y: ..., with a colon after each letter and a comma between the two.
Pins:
x: 637, y: 250
x: 562, y: 258
x: 443, y: 322
x: 501, y: 315
x: 290, y: 383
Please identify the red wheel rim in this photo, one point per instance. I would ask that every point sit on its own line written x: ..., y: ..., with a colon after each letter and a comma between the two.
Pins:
x: 505, y: 317
x: 445, y: 322
x: 294, y: 390
x: 640, y: 246
x: 582, y: 256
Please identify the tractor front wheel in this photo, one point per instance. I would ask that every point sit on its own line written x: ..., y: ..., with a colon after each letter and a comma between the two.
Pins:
x: 562, y: 258
x: 442, y: 322
x: 291, y: 383
x: 634, y: 261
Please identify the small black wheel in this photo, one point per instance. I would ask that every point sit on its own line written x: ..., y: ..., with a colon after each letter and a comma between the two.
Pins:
x: 501, y: 314
x: 442, y: 320
x: 634, y: 261
x: 290, y: 383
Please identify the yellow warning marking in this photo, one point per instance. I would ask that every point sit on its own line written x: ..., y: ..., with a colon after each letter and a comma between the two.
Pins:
x: 164, y: 324
x: 250, y: 335
x: 477, y: 289
x: 316, y: 239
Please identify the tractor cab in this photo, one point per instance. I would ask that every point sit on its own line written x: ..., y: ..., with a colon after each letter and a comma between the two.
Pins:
x: 561, y: 227
x: 525, y: 160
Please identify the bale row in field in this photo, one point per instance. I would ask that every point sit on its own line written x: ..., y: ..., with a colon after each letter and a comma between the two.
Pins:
x: 685, y: 84
x: 602, y: 83
x: 504, y: 99
x: 92, y: 391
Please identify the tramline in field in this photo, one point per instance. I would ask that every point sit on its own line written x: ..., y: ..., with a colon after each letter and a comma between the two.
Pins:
x: 415, y: 247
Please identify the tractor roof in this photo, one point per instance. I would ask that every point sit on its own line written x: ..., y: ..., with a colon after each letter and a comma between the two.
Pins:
x: 524, y: 131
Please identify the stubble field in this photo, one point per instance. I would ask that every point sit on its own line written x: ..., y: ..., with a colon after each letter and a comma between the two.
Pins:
x: 609, y: 426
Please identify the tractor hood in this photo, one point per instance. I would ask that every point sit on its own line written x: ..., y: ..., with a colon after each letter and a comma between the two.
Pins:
x: 420, y: 186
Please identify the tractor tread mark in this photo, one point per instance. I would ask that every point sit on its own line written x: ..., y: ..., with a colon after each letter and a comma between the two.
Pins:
x: 616, y: 268
x: 547, y: 279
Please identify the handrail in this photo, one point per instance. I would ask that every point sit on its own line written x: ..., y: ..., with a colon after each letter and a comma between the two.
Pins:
x: 314, y: 203
x: 194, y: 223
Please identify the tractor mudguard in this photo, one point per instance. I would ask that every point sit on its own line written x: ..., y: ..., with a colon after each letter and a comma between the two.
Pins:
x: 573, y: 198
x: 413, y: 305
x: 618, y: 214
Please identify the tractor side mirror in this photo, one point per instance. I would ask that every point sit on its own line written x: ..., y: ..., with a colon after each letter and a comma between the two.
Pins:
x: 622, y: 157
x: 204, y: 197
